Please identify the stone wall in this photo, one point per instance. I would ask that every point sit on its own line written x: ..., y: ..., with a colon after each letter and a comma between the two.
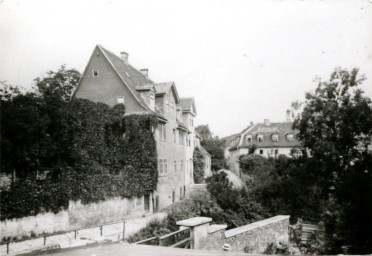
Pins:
x: 254, y: 237
x: 77, y: 216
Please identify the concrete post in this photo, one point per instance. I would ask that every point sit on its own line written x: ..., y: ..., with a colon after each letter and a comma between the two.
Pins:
x: 198, y: 230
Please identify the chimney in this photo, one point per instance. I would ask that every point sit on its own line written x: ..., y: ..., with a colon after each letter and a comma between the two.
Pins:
x: 145, y: 72
x: 251, y: 124
x: 288, y: 116
x: 124, y: 57
x: 267, y: 122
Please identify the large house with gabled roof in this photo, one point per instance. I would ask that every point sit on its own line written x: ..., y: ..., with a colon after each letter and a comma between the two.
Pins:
x: 112, y: 80
x: 265, y: 139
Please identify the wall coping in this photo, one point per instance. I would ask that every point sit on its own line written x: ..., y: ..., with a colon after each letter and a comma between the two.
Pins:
x: 196, y: 221
x: 254, y: 225
x: 215, y: 228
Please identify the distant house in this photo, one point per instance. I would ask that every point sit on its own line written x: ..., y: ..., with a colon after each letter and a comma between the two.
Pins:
x: 265, y: 139
x: 112, y: 80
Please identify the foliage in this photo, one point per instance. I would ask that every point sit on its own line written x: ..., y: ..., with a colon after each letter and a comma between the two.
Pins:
x: 61, y: 150
x: 239, y: 206
x: 198, y: 204
x: 204, y: 131
x: 277, y: 248
x: 58, y: 84
x: 336, y: 126
x: 198, y: 161
x: 213, y: 145
x: 154, y: 228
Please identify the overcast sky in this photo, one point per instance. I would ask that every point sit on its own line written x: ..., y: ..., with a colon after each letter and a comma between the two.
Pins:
x: 242, y: 60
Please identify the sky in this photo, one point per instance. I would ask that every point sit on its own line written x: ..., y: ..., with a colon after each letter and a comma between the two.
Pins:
x: 241, y: 60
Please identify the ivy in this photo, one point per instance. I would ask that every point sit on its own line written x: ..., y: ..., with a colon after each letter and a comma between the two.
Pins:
x: 198, y: 160
x: 98, y: 153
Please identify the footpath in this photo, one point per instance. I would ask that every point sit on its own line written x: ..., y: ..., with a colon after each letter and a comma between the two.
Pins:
x: 110, y: 233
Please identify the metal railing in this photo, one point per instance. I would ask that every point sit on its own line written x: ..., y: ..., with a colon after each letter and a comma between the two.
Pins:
x: 74, y: 231
x: 179, y: 239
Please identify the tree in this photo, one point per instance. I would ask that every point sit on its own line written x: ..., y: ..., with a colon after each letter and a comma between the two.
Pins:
x: 204, y: 131
x: 336, y: 127
x: 198, y: 161
x: 213, y: 145
x: 60, y: 84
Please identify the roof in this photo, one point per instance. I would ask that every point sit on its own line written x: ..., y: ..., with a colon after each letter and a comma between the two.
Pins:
x: 187, y: 104
x: 203, y: 151
x: 229, y: 138
x: 281, y: 129
x: 162, y: 88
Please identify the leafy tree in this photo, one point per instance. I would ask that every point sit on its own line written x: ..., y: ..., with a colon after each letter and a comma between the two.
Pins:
x: 213, y: 145
x: 204, y: 131
x: 336, y: 127
x: 198, y: 161
x: 58, y: 84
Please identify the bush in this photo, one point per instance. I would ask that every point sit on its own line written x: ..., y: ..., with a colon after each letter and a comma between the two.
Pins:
x: 155, y: 227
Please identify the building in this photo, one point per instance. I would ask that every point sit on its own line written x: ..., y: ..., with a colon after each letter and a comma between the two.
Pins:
x: 265, y: 139
x: 112, y: 80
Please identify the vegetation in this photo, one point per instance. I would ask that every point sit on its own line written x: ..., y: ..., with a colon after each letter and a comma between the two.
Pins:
x: 213, y: 145
x: 198, y: 161
x: 58, y: 150
x: 336, y: 126
x: 334, y: 183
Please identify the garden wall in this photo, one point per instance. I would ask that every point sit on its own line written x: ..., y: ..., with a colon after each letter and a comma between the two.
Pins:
x: 77, y: 216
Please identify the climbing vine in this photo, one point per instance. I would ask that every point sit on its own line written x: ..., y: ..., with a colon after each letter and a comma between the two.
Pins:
x: 103, y: 154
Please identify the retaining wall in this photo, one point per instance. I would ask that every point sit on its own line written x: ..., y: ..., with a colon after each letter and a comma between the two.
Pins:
x: 77, y: 216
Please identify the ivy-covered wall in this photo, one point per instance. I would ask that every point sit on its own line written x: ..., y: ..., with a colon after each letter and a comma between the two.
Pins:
x: 101, y: 153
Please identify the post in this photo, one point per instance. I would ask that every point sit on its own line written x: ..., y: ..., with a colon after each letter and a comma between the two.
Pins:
x: 198, y: 230
x: 101, y: 227
x: 76, y: 232
x: 123, y: 230
x: 7, y: 248
x: 45, y: 240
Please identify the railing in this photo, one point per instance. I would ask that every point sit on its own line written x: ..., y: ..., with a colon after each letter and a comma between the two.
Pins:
x: 75, y: 232
x: 180, y: 238
x: 150, y: 241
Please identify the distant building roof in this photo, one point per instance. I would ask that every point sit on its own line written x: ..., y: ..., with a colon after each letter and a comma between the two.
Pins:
x: 268, y: 132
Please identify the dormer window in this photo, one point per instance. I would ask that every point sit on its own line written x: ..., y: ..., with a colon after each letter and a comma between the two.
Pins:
x: 95, y: 73
x: 249, y: 138
x: 120, y: 100
x: 275, y: 137
x: 290, y: 137
x: 260, y: 138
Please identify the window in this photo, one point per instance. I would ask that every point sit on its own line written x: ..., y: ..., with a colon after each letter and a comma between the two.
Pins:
x: 160, y: 166
x: 260, y: 138
x: 261, y: 151
x: 181, y: 196
x: 152, y: 100
x: 175, y: 166
x: 275, y: 137
x: 165, y: 166
x: 120, y: 100
x: 95, y: 72
x: 174, y: 136
x: 166, y: 106
x: 276, y: 151
x: 290, y: 137
x: 162, y: 132
x: 181, y: 165
x: 191, y: 121
x: 181, y: 137
x: 172, y: 109
x: 249, y: 138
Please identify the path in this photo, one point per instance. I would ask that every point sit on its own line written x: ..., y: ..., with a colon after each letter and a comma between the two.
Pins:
x: 113, y: 232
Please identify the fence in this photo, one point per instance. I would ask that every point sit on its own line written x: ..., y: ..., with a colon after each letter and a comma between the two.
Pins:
x: 74, y: 232
x: 179, y: 239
